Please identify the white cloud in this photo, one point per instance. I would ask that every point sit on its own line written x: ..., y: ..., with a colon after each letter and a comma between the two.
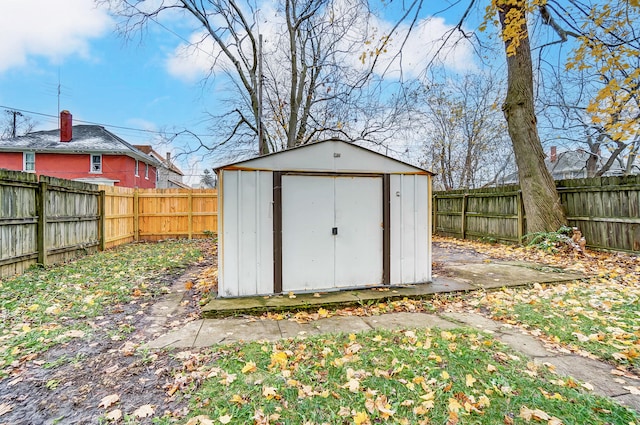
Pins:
x: 411, y: 54
x: 192, y: 62
x: 51, y: 29
x: 142, y: 123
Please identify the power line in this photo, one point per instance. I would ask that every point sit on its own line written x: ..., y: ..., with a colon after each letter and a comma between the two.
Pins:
x: 100, y: 124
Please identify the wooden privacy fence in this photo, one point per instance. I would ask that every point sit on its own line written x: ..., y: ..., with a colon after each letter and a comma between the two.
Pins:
x: 155, y: 214
x: 606, y: 210
x: 45, y: 220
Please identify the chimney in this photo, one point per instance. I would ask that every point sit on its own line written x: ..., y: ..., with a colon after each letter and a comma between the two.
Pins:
x: 554, y: 156
x: 168, y: 158
x: 66, y: 123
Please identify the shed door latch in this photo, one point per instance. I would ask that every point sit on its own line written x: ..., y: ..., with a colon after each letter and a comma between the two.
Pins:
x: 334, y: 231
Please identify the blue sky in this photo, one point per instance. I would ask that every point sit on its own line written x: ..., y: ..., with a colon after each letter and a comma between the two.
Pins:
x: 135, y: 84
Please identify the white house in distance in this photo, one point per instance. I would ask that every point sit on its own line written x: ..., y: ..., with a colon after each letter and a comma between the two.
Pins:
x: 325, y: 216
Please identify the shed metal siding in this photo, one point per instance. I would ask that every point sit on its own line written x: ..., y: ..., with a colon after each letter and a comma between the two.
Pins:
x: 329, y: 156
x: 246, y: 240
x: 410, y: 229
x: 247, y: 233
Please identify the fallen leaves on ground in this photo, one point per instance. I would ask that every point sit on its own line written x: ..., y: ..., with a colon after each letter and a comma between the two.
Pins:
x: 45, y: 307
x: 5, y: 408
x: 109, y: 401
x: 144, y: 411
x: 403, y: 376
x: 595, y: 317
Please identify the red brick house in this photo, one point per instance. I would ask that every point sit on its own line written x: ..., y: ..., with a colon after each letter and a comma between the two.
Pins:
x: 169, y: 175
x: 87, y: 153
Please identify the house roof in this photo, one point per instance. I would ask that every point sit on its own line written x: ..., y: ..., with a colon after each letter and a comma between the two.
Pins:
x: 331, y: 155
x: 573, y: 164
x: 179, y: 184
x: 86, y: 139
x: 148, y: 149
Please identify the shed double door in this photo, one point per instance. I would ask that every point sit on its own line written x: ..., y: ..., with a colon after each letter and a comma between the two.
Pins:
x: 332, y: 231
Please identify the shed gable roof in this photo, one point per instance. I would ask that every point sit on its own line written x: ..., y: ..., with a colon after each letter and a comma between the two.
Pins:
x: 86, y: 139
x: 328, y: 156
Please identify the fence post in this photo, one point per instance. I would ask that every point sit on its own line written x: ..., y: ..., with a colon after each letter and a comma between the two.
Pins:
x: 434, y: 207
x: 463, y: 218
x: 521, y: 225
x: 136, y: 216
x: 102, y: 219
x: 190, y: 213
x: 41, y: 210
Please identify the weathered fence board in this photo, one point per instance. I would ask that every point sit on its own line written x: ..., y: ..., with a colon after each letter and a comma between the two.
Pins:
x: 72, y: 218
x: 47, y: 220
x: 606, y: 210
x: 18, y: 222
x: 44, y: 220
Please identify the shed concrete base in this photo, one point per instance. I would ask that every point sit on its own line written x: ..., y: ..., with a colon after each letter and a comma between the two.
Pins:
x: 452, y: 278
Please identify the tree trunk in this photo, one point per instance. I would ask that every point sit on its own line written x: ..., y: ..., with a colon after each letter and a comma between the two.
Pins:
x: 541, y: 201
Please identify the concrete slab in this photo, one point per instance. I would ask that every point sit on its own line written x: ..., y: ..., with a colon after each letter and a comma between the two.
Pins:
x: 309, y: 300
x: 440, y: 285
x: 168, y: 305
x: 223, y: 307
x: 291, y: 329
x: 223, y: 331
x: 629, y: 400
x: 451, y: 277
x: 528, y: 345
x: 341, y: 324
x: 404, y: 320
x: 180, y: 338
x: 594, y: 372
x: 474, y: 320
x: 502, y: 274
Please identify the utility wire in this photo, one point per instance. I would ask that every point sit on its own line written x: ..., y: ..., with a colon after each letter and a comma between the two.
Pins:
x: 96, y: 123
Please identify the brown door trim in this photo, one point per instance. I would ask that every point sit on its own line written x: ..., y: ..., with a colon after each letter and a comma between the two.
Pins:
x: 277, y: 232
x: 277, y: 222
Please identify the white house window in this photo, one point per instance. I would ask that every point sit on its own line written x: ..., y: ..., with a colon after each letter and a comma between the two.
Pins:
x: 96, y: 163
x: 29, y: 161
x: 146, y: 171
x: 137, y: 168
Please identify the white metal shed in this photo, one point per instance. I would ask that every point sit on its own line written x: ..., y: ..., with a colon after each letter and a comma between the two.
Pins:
x: 324, y: 216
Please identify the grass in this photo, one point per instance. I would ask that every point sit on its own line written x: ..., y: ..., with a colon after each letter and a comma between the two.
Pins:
x: 45, y: 307
x: 411, y: 376
x: 405, y: 377
x: 599, y: 315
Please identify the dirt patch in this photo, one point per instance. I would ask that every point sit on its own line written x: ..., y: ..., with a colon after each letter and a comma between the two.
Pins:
x: 67, y: 384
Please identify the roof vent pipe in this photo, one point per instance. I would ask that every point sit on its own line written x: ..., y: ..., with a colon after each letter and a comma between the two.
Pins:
x: 66, y: 123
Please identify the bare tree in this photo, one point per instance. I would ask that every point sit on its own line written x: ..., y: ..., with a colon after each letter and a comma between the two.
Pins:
x: 15, y: 124
x: 289, y: 86
x: 466, y: 146
x: 207, y: 179
x: 567, y: 122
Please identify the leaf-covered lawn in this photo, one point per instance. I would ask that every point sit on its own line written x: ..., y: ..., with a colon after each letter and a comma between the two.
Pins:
x: 423, y: 376
x: 599, y: 316
x: 44, y: 307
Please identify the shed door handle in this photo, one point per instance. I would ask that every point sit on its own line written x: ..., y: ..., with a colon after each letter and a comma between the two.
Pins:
x: 334, y: 231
